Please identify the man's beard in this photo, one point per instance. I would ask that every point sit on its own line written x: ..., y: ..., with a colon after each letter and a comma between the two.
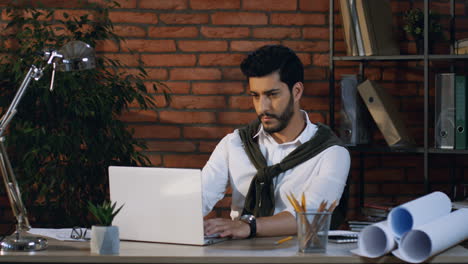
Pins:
x: 283, y: 119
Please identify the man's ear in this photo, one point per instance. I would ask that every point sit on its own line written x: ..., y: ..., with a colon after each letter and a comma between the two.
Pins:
x: 297, y: 91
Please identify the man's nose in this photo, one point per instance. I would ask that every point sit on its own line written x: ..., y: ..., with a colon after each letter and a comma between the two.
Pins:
x: 264, y: 104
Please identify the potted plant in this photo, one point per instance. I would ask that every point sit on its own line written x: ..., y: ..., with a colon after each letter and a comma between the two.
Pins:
x: 62, y: 142
x: 414, y: 19
x: 104, y: 236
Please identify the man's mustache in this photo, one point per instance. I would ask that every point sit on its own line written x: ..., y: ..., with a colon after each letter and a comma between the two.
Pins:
x: 268, y: 115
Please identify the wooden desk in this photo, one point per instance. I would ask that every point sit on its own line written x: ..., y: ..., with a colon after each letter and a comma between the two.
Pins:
x: 258, y: 250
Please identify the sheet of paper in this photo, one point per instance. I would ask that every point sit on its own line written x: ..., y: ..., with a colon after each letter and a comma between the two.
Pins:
x: 434, y: 237
x: 375, y: 241
x: 342, y: 233
x: 62, y: 234
x: 418, y: 212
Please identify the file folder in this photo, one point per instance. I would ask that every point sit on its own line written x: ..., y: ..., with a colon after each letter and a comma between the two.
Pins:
x: 444, y: 131
x: 385, y: 114
x: 460, y: 112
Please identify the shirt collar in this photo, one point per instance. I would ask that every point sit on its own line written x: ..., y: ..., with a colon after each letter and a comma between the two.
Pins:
x: 306, y: 134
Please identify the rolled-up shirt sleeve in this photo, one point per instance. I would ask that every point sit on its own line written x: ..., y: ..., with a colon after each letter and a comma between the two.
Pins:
x: 215, y: 176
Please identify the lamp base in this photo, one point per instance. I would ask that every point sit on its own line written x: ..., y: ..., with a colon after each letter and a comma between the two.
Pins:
x: 23, y: 243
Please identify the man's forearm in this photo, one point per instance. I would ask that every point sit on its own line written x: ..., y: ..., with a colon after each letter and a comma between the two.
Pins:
x: 280, y: 224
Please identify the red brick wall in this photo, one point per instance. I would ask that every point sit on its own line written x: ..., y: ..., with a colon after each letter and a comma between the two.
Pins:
x: 195, y: 46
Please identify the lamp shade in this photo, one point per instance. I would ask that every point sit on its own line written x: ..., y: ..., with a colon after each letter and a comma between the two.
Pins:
x: 77, y: 56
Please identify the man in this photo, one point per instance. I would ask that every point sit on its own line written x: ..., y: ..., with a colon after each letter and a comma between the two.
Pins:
x: 281, y: 153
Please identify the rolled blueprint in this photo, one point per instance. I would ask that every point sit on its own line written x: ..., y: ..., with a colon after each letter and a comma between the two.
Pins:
x: 418, y: 212
x: 375, y: 241
x: 434, y: 237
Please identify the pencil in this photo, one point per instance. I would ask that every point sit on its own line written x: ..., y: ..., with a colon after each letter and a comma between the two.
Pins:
x: 283, y: 240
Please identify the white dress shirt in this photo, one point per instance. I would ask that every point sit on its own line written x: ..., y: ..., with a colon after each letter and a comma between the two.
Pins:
x: 322, y: 177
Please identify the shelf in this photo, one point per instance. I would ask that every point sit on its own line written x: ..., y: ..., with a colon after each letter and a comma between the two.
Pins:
x: 386, y: 149
x: 379, y: 58
x: 408, y: 150
x: 400, y: 57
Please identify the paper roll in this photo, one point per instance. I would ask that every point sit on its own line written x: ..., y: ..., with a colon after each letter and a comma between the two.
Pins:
x: 375, y: 241
x: 418, y: 212
x: 434, y: 237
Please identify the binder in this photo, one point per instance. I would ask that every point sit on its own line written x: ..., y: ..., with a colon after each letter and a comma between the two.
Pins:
x: 354, y: 117
x: 444, y: 129
x: 385, y: 114
x: 348, y: 28
x: 460, y: 112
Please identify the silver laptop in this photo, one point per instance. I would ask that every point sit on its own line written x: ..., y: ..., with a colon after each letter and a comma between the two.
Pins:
x: 160, y: 204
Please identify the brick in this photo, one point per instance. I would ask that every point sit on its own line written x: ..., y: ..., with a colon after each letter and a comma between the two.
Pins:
x: 217, y: 87
x: 383, y: 174
x: 225, y: 32
x: 139, y: 116
x: 236, y: 118
x: 210, y: 215
x: 245, y: 45
x: 177, y: 18
x: 317, y: 117
x: 214, y: 4
x: 125, y: 59
x: 402, y: 74
x: 315, y: 74
x: 321, y: 60
x: 144, y: 45
x: 305, y: 58
x: 202, y: 45
x: 133, y: 17
x: 175, y: 87
x: 185, y: 161
x: 129, y: 31
x: 207, y: 146
x: 168, y: 60
x: 155, y: 131
x: 156, y: 160
x: 315, y: 6
x: 239, y: 18
x: 206, y: 132
x: 233, y: 74
x: 163, y: 4
x: 270, y: 5
x: 121, y: 3
x: 172, y: 32
x: 295, y: 19
x: 59, y: 14
x: 309, y: 46
x: 171, y: 146
x: 184, y: 117
x: 221, y: 59
x: 315, y: 33
x: 153, y: 74
x: 159, y: 100
x: 316, y: 89
x: 241, y: 102
x: 195, y: 74
x: 314, y: 103
x: 106, y: 46
x: 197, y: 102
x: 276, y: 33
x: 224, y: 203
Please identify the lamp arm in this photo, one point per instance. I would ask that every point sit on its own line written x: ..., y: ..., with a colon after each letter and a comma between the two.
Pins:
x: 11, y: 184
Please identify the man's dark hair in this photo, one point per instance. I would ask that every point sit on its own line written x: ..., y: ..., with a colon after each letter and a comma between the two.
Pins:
x: 271, y: 58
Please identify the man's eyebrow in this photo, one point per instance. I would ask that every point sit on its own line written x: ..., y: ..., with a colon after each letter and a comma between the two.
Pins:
x: 267, y: 91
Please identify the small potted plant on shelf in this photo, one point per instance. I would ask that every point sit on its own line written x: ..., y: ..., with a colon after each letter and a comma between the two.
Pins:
x: 104, y: 237
x: 414, y: 19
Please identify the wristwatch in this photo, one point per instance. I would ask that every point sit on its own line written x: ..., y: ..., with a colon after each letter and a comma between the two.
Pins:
x: 250, y: 219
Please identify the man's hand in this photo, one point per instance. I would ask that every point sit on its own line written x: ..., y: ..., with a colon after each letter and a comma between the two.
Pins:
x: 227, y: 228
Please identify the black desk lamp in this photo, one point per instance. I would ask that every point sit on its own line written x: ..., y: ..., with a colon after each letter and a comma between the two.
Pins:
x: 73, y: 56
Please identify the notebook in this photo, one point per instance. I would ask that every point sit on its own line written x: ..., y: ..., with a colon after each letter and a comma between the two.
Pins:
x: 160, y: 204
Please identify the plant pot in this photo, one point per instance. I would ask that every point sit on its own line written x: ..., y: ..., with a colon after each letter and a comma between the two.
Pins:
x: 105, y: 240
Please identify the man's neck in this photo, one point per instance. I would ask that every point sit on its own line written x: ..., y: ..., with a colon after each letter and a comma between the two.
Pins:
x: 293, y: 130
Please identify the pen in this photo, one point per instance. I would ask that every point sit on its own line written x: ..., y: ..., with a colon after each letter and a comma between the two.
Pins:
x: 283, y: 240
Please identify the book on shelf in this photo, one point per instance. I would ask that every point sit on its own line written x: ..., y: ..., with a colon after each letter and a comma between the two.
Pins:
x: 461, y: 46
x: 383, y: 110
x: 376, y: 24
x: 348, y: 29
x: 461, y: 50
x: 444, y: 128
x: 354, y: 121
x: 357, y: 30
